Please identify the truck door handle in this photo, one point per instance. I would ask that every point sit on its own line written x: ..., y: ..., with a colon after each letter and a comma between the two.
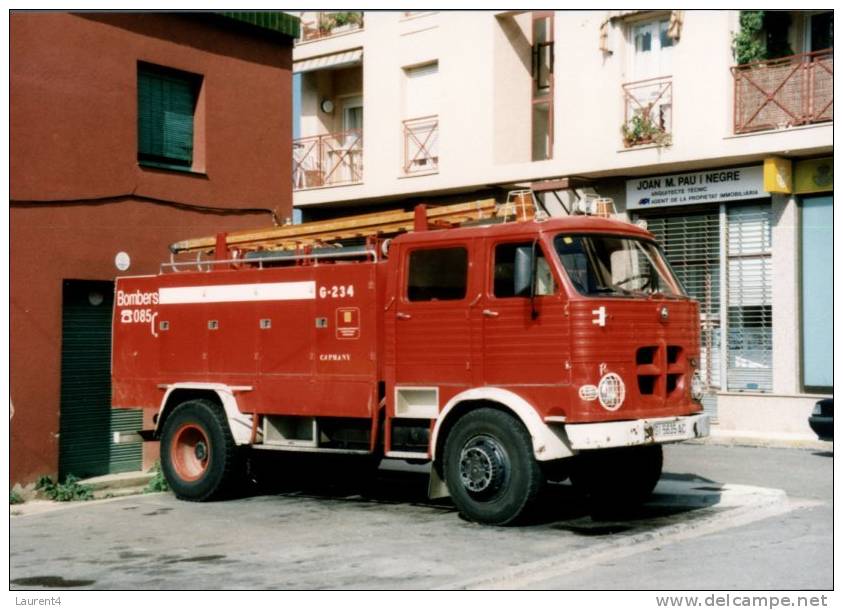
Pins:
x: 403, y: 316
x: 490, y: 314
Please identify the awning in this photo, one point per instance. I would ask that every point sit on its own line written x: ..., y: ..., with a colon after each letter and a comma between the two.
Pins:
x: 329, y: 62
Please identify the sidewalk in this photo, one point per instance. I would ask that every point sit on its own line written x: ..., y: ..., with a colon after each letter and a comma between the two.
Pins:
x: 750, y: 438
x: 106, y: 488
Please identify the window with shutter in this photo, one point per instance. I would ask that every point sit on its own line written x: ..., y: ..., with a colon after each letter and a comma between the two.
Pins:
x: 166, y: 108
x: 750, y: 282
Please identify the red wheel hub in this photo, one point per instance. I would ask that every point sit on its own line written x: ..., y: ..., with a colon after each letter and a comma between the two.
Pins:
x: 190, y: 452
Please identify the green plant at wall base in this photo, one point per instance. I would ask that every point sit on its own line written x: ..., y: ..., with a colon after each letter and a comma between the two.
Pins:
x: 15, y: 497
x: 643, y: 130
x: 157, y: 482
x: 69, y: 491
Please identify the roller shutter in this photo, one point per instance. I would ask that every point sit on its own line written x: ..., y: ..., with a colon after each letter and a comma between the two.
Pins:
x: 750, y: 323
x: 87, y: 422
x: 691, y: 243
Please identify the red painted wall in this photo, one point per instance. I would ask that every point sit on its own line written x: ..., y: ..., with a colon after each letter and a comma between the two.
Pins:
x: 78, y: 195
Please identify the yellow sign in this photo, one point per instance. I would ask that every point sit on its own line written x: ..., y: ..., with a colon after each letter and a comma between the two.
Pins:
x: 814, y: 175
x: 778, y: 175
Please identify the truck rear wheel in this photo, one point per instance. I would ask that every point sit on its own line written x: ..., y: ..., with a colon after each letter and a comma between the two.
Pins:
x: 198, y: 453
x: 618, y: 477
x: 489, y: 467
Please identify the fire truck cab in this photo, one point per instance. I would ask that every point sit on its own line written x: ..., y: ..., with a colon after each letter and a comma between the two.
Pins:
x: 505, y: 354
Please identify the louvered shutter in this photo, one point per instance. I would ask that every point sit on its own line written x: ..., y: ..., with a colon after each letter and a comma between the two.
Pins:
x: 166, y: 105
x: 750, y: 286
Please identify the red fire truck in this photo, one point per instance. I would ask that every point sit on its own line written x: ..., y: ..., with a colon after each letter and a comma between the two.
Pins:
x: 504, y: 353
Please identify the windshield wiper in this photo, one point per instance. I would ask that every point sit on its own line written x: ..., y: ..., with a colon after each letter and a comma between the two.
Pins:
x: 611, y: 289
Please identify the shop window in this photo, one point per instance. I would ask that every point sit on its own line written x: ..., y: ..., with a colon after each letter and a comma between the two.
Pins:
x: 817, y: 293
x: 166, y: 110
x: 438, y: 274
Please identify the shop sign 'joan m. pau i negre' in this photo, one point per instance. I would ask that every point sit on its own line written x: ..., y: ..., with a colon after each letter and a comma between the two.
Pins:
x: 706, y: 186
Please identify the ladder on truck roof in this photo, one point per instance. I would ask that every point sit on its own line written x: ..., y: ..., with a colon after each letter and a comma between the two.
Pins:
x: 376, y: 224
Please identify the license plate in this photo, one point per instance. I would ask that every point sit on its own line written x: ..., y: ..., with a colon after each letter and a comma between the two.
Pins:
x: 670, y: 429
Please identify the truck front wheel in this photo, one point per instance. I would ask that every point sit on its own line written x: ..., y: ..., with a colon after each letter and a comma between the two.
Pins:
x: 198, y: 453
x: 489, y: 467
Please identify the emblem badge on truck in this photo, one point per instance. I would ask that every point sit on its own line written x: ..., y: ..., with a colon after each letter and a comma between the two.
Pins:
x: 664, y: 313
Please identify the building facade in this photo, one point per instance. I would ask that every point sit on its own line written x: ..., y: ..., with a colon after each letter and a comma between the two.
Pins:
x: 730, y: 164
x: 128, y: 132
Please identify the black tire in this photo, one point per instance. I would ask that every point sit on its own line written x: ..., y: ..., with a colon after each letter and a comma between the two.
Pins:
x: 490, y: 469
x: 198, y: 455
x: 618, y: 477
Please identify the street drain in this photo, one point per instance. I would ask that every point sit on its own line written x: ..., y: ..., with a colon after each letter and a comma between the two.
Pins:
x: 56, y: 582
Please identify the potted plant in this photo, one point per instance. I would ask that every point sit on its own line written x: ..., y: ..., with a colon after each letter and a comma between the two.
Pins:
x: 347, y: 21
x: 643, y: 130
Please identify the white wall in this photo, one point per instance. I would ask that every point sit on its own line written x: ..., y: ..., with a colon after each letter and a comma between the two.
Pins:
x: 484, y: 134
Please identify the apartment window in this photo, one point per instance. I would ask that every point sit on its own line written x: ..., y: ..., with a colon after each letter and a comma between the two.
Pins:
x: 166, y: 111
x: 652, y: 49
x: 542, y: 99
x: 421, y: 118
x: 438, y: 274
x: 819, y: 33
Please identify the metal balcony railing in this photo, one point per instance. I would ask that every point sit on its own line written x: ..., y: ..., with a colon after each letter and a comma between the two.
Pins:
x: 421, y: 144
x: 328, y: 160
x: 785, y: 92
x: 648, y: 111
x: 324, y: 24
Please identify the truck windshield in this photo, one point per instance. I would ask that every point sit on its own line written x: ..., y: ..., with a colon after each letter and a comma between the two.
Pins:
x: 615, y: 265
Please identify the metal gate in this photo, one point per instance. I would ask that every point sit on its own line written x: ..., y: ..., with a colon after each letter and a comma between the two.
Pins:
x: 691, y: 243
x: 87, y: 422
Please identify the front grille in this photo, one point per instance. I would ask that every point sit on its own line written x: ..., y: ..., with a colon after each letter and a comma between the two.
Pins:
x: 661, y: 370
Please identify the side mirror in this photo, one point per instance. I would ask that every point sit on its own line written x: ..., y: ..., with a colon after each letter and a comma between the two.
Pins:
x: 524, y: 271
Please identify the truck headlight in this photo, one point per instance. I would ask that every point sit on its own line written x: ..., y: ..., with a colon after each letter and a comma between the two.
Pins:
x: 611, y: 391
x: 697, y: 387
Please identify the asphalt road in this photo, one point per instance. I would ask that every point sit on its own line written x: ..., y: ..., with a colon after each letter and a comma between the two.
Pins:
x: 721, y: 518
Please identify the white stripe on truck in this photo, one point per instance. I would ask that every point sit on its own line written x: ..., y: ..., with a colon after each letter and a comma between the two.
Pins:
x: 238, y: 293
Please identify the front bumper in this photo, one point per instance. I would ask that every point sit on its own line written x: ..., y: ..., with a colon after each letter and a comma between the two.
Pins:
x: 637, y: 432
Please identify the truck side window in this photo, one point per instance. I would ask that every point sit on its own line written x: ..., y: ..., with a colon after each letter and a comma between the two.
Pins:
x: 437, y: 275
x: 505, y: 271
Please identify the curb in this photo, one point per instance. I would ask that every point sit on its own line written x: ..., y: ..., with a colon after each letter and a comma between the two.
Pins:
x: 736, y: 438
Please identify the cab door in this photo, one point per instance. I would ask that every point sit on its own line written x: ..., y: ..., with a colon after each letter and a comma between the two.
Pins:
x: 526, y: 341
x: 432, y: 317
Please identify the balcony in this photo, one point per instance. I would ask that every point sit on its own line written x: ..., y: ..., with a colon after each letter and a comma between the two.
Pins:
x: 316, y: 25
x: 781, y: 93
x: 421, y: 145
x: 648, y: 112
x: 328, y: 160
